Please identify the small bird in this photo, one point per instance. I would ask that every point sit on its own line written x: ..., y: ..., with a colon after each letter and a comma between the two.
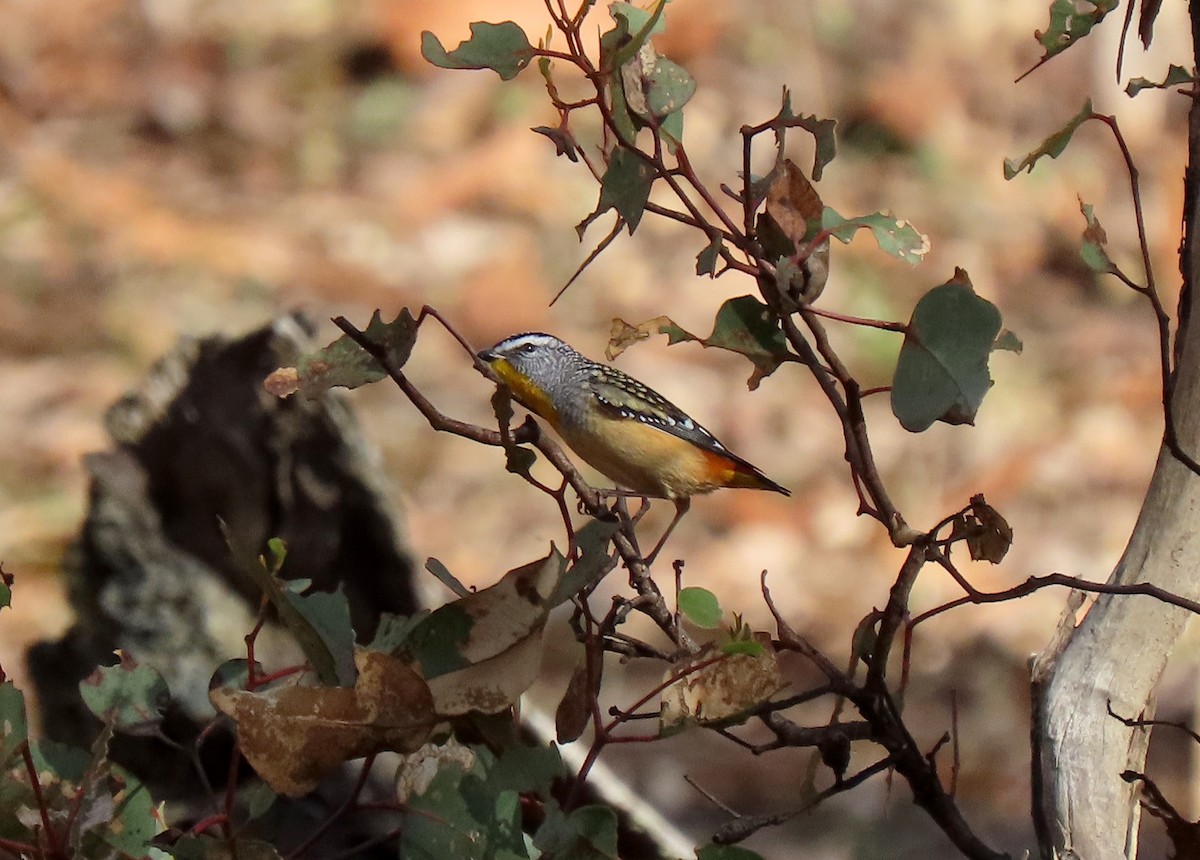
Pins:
x: 622, y: 428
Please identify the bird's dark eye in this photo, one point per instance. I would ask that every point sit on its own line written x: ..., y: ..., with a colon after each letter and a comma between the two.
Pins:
x: 527, y: 348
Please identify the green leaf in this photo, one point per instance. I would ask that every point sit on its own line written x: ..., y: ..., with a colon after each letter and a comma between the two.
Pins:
x: 700, y: 606
x: 641, y: 21
x: 748, y: 647
x: 1176, y: 76
x: 205, y: 847
x: 130, y: 695
x: 726, y: 852
x: 747, y: 326
x: 330, y: 667
x: 594, y: 560
x: 824, y: 139
x: 611, y: 44
x: 706, y: 260
x: 259, y: 798
x: 942, y: 371
x: 344, y: 363
x: 465, y: 816
x: 393, y: 630
x: 743, y: 325
x: 435, y: 642
x: 672, y: 129
x: 328, y: 616
x: 528, y: 769
x: 14, y: 727
x: 6, y: 581
x: 503, y: 48
x: 233, y: 674
x: 1093, y: 250
x: 668, y: 88
x: 625, y: 186
x: 588, y: 833
x: 130, y: 821
x: 517, y: 459
x: 445, y: 577
x: 895, y: 237
x: 1052, y: 146
x: 1069, y: 24
x: 1008, y: 341
x: 639, y: 24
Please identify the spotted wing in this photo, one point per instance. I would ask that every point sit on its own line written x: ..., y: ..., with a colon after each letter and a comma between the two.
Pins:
x: 625, y: 397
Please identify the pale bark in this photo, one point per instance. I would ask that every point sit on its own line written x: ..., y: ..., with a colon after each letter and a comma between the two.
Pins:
x: 1118, y: 652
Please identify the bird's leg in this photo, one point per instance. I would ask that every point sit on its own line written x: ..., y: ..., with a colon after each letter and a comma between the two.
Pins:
x: 681, y: 508
x: 627, y: 522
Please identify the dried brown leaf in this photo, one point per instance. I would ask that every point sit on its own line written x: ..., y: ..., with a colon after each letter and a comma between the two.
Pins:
x: 575, y: 708
x: 720, y: 693
x: 294, y: 736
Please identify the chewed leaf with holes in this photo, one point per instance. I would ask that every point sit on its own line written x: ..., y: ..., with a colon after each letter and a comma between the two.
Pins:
x: 893, y: 235
x: 130, y: 695
x: 1052, y: 146
x: 1177, y: 76
x: 344, y: 363
x: 1070, y: 21
x: 942, y: 372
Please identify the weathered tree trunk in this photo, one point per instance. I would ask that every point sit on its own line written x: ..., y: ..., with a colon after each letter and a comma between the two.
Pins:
x: 1117, y: 653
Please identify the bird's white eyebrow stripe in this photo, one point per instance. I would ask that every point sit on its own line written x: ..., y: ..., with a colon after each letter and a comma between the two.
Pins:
x: 517, y: 340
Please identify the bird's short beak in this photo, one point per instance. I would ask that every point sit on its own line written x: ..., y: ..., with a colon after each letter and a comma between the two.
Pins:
x: 487, y: 356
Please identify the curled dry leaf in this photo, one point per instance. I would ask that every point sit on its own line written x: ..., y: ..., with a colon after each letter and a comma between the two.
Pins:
x: 993, y: 537
x: 622, y: 335
x: 294, y: 736
x: 282, y: 382
x: 796, y: 209
x: 723, y: 691
x: 575, y: 709
x: 499, y: 653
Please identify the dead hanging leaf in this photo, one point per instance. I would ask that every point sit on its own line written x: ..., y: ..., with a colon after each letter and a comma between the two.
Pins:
x: 575, y: 708
x: 796, y: 209
x: 481, y: 652
x: 721, y: 693
x: 634, y: 73
x: 743, y: 325
x: 992, y: 537
x: 492, y: 685
x: 622, y: 335
x: 294, y: 736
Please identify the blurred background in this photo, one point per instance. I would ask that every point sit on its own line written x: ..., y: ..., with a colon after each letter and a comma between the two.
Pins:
x: 184, y: 167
